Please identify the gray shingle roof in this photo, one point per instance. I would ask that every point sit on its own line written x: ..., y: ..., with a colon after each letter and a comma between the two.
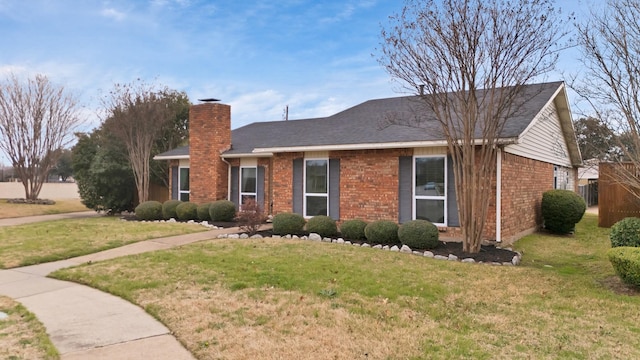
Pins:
x: 177, y: 152
x: 371, y: 122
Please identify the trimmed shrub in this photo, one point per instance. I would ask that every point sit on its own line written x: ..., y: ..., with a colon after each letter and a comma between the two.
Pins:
x: 288, y: 223
x: 353, y: 229
x: 419, y: 234
x: 562, y: 210
x: 322, y: 225
x: 203, y: 212
x: 187, y: 211
x: 626, y: 232
x: 382, y: 232
x: 169, y: 209
x: 626, y: 263
x: 222, y: 210
x: 250, y: 217
x: 149, y: 210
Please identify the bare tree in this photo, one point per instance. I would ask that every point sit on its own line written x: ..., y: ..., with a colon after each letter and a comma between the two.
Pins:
x: 610, y: 43
x: 472, y: 58
x: 138, y: 114
x: 37, y: 119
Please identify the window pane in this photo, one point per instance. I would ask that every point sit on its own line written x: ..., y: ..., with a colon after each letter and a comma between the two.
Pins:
x: 184, y: 196
x: 316, y: 171
x: 430, y: 176
x: 247, y: 197
x: 184, y: 179
x: 248, y: 180
x: 316, y: 205
x: 431, y: 210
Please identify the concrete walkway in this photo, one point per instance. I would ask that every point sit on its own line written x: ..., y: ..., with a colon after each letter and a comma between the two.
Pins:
x: 85, y: 323
x: 40, y: 218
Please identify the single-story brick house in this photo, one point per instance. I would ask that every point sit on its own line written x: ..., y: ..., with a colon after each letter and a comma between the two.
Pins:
x: 355, y: 165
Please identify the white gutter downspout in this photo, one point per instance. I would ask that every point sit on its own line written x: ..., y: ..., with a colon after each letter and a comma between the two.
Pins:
x: 499, y: 195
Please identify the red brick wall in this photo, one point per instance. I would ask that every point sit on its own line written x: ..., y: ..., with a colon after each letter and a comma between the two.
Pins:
x: 369, y: 183
x: 282, y: 184
x: 523, y: 183
x: 209, y: 135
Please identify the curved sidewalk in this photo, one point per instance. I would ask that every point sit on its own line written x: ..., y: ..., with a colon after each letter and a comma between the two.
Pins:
x: 85, y: 323
x: 51, y: 217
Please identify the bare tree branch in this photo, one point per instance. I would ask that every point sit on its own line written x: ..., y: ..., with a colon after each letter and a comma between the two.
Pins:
x: 610, y: 43
x: 37, y: 120
x: 472, y: 57
x: 137, y: 114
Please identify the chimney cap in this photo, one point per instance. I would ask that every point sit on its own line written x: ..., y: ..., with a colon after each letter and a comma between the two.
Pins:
x: 209, y: 100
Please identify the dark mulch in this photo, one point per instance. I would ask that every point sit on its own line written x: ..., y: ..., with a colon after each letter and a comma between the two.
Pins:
x: 487, y: 254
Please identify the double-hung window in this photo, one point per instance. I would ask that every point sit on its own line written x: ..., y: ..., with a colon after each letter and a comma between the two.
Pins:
x: 316, y: 187
x: 430, y: 189
x: 248, y: 184
x: 183, y: 184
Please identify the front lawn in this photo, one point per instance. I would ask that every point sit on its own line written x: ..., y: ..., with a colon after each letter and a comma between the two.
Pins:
x: 288, y: 299
x: 22, y: 336
x: 9, y: 210
x: 62, y: 239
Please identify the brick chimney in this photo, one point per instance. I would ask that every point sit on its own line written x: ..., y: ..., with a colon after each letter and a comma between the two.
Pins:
x: 209, y: 136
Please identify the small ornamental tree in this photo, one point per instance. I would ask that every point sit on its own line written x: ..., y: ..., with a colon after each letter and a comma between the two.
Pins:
x: 250, y: 217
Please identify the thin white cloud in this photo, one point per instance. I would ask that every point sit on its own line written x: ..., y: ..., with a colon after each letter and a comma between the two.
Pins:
x: 114, y: 14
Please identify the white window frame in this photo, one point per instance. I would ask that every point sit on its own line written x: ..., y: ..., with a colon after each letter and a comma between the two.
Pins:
x: 425, y: 197
x: 304, y: 180
x: 180, y: 191
x: 241, y: 193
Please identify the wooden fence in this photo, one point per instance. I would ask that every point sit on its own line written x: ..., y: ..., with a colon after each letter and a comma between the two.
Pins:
x: 614, y: 201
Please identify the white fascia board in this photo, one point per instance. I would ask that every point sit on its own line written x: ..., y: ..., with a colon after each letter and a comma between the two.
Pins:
x: 249, y: 155
x: 367, y: 146
x: 171, y: 157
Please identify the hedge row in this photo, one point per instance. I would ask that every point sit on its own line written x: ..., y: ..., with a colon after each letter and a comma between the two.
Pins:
x: 418, y: 234
x: 219, y: 211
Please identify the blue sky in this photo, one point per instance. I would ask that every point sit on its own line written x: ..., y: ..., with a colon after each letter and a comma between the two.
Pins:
x: 257, y: 56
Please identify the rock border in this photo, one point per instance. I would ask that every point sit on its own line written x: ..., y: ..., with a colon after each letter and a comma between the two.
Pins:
x: 517, y: 258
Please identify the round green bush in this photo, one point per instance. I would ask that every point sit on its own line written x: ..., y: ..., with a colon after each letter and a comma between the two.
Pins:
x: 149, y: 210
x: 222, y: 210
x: 419, y: 234
x: 322, y: 225
x: 187, y: 211
x: 203, y: 212
x: 626, y: 263
x: 382, y: 232
x: 626, y: 232
x: 353, y: 229
x: 288, y: 223
x: 169, y: 209
x: 561, y: 210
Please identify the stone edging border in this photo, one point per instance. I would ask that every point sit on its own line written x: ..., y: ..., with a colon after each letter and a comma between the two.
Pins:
x: 404, y: 249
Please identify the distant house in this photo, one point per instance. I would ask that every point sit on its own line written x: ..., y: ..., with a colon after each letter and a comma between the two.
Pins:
x: 355, y: 165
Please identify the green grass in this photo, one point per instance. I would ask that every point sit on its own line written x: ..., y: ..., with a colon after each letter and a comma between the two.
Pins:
x: 9, y: 210
x: 56, y: 240
x: 560, y: 303
x: 22, y: 336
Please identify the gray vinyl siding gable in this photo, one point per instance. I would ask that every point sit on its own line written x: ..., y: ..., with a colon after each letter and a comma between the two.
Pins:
x: 544, y: 141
